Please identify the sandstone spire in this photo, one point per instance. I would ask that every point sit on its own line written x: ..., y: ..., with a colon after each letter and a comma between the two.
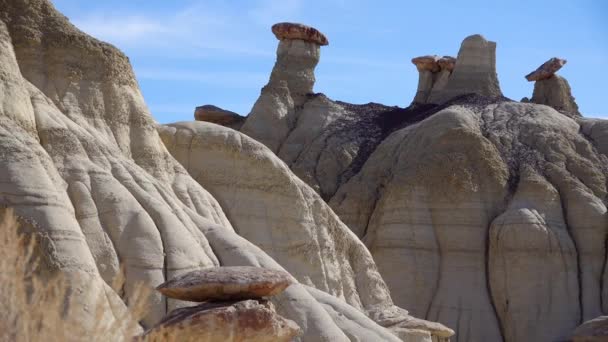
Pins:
x: 551, y: 89
x: 473, y: 72
x: 292, y: 79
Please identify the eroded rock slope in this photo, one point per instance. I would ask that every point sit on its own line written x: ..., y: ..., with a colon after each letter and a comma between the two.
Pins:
x: 86, y: 171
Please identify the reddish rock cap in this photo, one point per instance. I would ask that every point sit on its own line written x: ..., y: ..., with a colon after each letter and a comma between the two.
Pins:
x: 226, y: 283
x: 447, y: 63
x: 428, y: 62
x: 546, y: 70
x: 299, y: 31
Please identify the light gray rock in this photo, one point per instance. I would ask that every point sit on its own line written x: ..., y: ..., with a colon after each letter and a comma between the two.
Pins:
x: 474, y: 71
x: 555, y: 92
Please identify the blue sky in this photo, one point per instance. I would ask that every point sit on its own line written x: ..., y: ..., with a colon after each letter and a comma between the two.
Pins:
x: 194, y: 52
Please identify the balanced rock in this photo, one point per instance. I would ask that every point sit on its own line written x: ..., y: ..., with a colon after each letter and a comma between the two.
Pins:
x: 299, y: 31
x: 546, y: 70
x: 248, y: 320
x: 473, y: 73
x: 216, y: 115
x: 226, y: 283
x: 291, y: 83
x: 595, y: 330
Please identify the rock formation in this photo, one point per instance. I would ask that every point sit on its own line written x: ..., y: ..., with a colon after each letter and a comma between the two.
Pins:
x: 434, y: 73
x: 291, y: 82
x: 300, y: 230
x: 551, y: 89
x: 595, y: 330
x: 500, y: 205
x: 226, y: 283
x: 86, y: 171
x: 473, y: 73
x: 216, y: 115
x: 251, y: 319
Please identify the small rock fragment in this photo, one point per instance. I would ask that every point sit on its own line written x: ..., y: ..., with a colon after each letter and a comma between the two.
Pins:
x: 226, y: 283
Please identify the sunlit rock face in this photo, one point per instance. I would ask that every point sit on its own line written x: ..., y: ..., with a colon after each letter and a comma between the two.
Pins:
x: 86, y: 170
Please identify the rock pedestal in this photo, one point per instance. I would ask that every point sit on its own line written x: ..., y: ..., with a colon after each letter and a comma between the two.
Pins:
x: 434, y: 73
x: 291, y: 81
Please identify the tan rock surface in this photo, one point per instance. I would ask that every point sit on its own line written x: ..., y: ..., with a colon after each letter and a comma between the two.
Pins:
x: 226, y: 283
x: 247, y: 320
x: 219, y: 116
x: 546, y: 70
x: 299, y: 31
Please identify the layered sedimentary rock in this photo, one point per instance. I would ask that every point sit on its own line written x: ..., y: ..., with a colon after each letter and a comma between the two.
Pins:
x: 86, y: 171
x: 216, y: 115
x: 500, y: 207
x: 474, y: 72
x: 551, y: 89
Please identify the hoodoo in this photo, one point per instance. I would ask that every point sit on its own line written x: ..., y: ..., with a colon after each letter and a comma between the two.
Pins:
x: 551, y: 89
x: 290, y: 83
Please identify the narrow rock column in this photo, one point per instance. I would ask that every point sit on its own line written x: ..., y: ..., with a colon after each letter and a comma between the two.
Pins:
x: 427, y: 67
x: 551, y: 89
x: 292, y: 79
x: 474, y: 71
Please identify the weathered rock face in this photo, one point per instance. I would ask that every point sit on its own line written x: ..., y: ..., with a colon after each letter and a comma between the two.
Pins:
x: 288, y: 31
x: 595, y: 330
x: 555, y: 92
x: 247, y: 320
x: 226, y: 283
x: 86, y: 171
x: 501, y: 207
x: 473, y: 73
x: 301, y: 232
x: 219, y: 116
x: 546, y: 70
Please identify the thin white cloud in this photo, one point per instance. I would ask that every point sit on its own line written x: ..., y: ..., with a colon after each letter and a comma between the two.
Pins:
x: 122, y: 29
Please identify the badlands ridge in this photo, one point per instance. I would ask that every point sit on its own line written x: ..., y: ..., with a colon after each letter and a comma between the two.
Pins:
x: 466, y: 216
